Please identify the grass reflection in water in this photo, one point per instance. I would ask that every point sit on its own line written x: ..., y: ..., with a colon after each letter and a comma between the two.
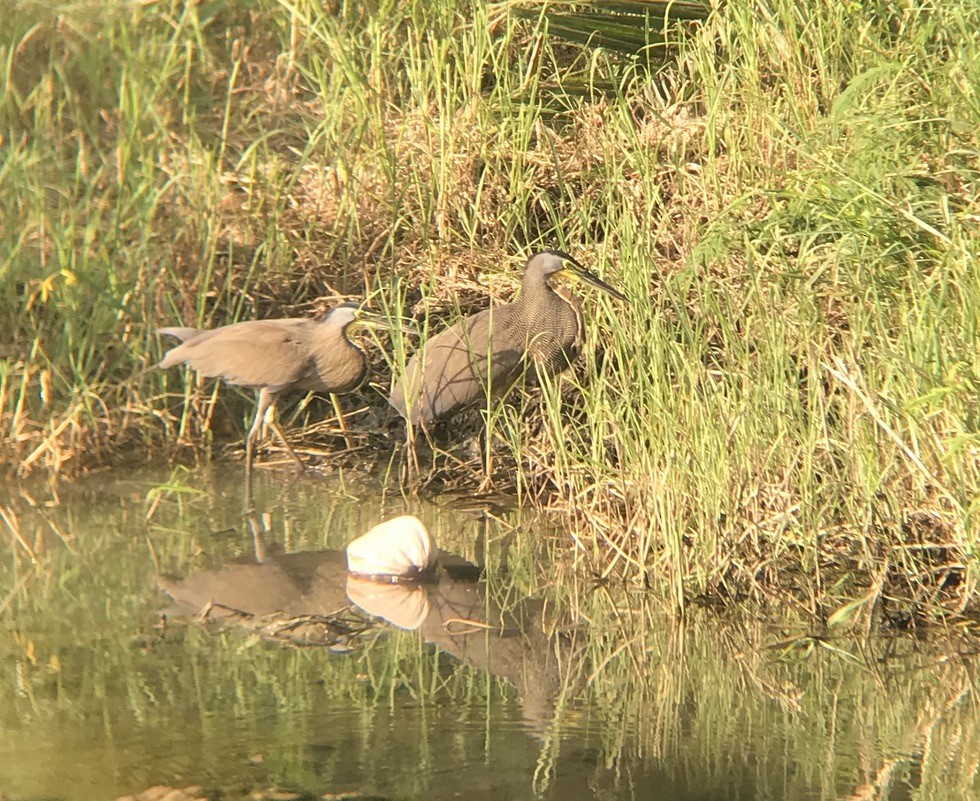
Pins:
x: 535, y: 681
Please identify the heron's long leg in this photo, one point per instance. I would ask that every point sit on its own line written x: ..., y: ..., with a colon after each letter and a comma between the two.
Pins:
x: 411, y: 453
x: 264, y: 400
x: 340, y: 420
x: 487, y: 481
x: 282, y: 438
x: 259, y: 526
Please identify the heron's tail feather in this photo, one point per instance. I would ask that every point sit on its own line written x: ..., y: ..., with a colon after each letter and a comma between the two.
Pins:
x: 183, y: 334
x: 173, y: 356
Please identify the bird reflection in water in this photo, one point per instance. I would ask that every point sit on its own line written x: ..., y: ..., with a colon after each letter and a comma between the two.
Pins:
x: 451, y: 610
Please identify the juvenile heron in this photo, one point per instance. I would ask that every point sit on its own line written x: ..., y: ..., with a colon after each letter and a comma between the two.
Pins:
x: 488, y: 351
x: 274, y: 356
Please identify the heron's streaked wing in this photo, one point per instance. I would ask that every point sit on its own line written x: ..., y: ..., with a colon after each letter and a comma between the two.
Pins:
x: 454, y: 369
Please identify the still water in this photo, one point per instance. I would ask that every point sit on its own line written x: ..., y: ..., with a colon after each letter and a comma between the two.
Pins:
x: 537, y: 681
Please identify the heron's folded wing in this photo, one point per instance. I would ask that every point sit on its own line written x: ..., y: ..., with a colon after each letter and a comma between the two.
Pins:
x: 270, y: 353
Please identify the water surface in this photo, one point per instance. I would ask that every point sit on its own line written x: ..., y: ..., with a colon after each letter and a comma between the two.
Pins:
x: 539, y: 682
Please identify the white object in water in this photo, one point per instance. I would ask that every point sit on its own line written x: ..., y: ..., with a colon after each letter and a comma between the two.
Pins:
x: 400, y: 548
x: 402, y: 605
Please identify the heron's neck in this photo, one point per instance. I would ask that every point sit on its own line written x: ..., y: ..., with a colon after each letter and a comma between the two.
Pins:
x: 326, y: 334
x: 340, y: 360
x: 331, y: 340
x: 537, y: 295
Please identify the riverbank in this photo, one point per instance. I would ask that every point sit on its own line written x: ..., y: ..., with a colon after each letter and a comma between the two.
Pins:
x: 787, y: 408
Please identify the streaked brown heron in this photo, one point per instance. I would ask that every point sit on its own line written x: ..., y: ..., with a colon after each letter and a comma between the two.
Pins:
x: 485, y: 353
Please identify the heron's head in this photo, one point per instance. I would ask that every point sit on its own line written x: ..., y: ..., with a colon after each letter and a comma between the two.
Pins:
x: 344, y: 315
x: 546, y: 263
x: 351, y: 313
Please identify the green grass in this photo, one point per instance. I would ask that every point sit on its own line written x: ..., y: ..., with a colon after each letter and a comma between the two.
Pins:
x: 790, y: 401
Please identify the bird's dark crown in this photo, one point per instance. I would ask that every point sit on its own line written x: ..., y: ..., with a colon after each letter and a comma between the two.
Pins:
x: 340, y: 307
x: 561, y: 254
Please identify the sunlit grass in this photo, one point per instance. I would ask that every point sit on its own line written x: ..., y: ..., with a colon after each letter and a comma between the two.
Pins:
x: 790, y: 400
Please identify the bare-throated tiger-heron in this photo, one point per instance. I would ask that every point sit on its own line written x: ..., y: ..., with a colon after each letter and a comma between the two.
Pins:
x: 276, y: 356
x: 485, y: 353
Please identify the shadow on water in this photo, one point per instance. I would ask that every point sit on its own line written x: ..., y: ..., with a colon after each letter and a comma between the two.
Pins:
x: 520, y: 679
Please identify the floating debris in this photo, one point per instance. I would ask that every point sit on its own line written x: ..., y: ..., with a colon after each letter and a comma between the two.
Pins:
x: 400, y: 549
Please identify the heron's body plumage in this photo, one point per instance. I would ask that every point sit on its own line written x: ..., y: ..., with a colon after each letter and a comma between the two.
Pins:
x: 279, y: 355
x: 484, y: 354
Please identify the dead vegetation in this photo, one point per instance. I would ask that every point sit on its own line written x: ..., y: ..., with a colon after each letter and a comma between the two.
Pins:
x: 788, y: 405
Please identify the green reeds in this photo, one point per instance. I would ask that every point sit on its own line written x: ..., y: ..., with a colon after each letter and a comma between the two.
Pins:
x: 790, y: 400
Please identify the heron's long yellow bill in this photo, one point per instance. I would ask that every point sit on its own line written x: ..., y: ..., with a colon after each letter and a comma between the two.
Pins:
x: 591, y: 278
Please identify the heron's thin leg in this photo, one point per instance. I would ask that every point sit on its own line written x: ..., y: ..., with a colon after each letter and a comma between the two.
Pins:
x: 289, y: 448
x: 413, y: 459
x: 265, y: 398
x: 340, y: 420
x: 487, y: 465
x: 259, y: 527
x: 410, y: 456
